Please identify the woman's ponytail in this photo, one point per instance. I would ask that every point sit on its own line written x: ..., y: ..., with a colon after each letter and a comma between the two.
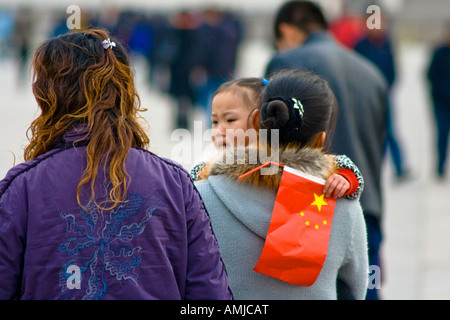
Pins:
x: 299, y: 105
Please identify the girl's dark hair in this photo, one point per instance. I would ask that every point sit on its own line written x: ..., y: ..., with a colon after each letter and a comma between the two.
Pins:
x: 302, y: 14
x: 76, y: 82
x: 255, y: 87
x: 317, y: 99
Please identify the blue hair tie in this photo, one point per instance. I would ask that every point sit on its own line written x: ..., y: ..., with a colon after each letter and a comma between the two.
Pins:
x: 265, y: 81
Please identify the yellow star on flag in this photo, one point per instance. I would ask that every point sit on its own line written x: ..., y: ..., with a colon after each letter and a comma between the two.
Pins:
x: 319, y: 201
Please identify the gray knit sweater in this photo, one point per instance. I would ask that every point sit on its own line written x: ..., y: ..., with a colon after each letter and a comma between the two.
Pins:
x: 240, y: 216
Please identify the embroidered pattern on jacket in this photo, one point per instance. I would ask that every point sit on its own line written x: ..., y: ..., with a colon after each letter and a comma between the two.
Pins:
x: 100, y: 245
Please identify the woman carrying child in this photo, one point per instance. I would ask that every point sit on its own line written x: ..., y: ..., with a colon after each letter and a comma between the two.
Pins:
x: 241, y: 209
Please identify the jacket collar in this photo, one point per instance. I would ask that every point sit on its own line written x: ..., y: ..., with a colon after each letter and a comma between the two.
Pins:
x: 317, y: 37
x: 309, y: 160
x: 78, y: 135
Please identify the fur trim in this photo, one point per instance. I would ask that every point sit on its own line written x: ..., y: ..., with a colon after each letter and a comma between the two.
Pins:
x: 234, y: 163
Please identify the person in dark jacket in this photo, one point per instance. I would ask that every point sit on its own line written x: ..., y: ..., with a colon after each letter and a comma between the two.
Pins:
x: 219, y: 37
x: 438, y: 75
x: 91, y: 214
x: 180, y: 41
x: 304, y: 43
x: 376, y: 46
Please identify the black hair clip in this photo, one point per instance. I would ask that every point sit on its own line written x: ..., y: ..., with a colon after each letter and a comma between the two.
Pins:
x: 293, y: 103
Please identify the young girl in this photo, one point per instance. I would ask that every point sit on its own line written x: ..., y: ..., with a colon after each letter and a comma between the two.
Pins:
x: 235, y: 109
x: 241, y: 209
x: 91, y: 214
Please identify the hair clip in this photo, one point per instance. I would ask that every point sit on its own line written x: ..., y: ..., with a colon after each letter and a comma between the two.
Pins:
x: 265, y: 81
x: 108, y: 44
x: 298, y: 105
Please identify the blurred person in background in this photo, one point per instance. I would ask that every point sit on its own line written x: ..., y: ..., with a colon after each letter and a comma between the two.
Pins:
x: 157, y: 58
x: 219, y: 37
x: 349, y: 27
x: 377, y: 47
x: 303, y: 42
x: 21, y: 40
x: 6, y: 29
x: 142, y: 39
x: 180, y: 44
x: 438, y: 75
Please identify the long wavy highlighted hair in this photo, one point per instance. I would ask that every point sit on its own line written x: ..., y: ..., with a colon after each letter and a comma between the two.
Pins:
x: 77, y: 82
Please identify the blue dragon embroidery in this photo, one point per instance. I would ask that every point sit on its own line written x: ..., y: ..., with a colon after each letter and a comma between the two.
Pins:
x: 99, y: 244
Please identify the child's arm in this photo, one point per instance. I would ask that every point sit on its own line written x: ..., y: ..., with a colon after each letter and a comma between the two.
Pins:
x: 196, y: 172
x: 336, y: 186
x: 347, y: 181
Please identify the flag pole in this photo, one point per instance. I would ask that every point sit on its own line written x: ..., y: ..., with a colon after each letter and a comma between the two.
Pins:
x: 258, y: 168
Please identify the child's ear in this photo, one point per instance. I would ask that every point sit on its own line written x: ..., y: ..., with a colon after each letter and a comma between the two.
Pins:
x: 254, y: 119
x: 318, y: 140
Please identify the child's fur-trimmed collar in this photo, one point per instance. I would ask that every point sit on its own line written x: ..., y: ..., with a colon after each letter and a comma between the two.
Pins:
x: 234, y: 163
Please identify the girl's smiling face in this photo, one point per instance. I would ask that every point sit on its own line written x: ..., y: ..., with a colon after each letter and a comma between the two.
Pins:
x: 229, y: 112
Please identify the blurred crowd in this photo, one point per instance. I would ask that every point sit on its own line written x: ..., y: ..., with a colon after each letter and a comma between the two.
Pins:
x: 188, y: 53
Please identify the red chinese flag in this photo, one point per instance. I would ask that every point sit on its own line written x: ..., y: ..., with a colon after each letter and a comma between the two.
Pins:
x: 297, y: 240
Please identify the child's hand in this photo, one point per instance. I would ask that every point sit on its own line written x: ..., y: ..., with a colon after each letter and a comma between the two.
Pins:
x: 336, y: 186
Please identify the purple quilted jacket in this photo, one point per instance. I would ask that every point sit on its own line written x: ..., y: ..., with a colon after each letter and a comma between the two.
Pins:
x: 157, y: 245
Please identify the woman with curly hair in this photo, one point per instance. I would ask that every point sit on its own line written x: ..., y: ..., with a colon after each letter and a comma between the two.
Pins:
x: 91, y: 214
